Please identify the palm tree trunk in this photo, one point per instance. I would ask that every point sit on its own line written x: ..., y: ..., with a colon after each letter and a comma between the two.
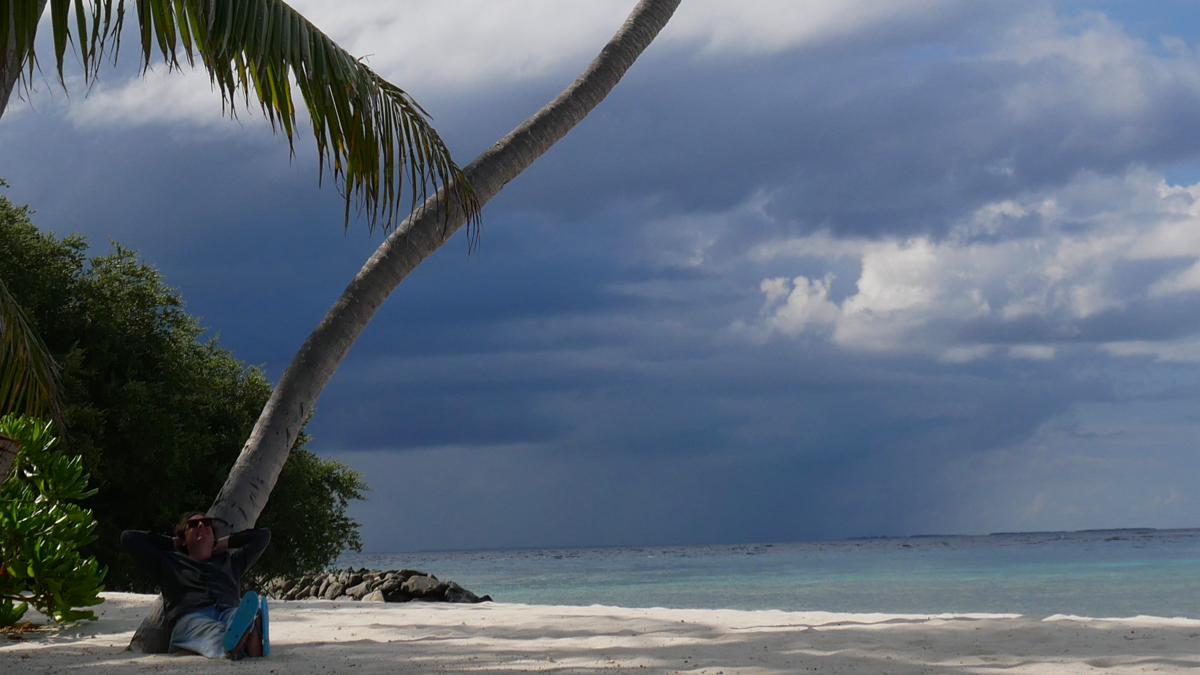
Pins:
x: 10, y: 65
x: 254, y: 474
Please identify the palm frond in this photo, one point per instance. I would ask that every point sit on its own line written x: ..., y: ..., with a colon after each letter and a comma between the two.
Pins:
x: 28, y: 375
x: 370, y: 134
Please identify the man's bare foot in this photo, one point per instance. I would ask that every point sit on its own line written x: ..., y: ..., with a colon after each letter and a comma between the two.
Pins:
x: 251, y: 642
x: 254, y: 646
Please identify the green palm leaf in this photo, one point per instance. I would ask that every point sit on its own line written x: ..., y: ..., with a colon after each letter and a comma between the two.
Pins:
x: 372, y: 136
x: 28, y: 375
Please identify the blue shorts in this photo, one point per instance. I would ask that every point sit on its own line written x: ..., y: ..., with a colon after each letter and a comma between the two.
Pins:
x: 202, y: 631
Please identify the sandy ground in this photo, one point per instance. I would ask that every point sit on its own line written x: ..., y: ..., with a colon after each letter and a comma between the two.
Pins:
x: 320, y: 637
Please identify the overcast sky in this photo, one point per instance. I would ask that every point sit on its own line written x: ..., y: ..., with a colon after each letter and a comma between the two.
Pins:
x: 813, y: 270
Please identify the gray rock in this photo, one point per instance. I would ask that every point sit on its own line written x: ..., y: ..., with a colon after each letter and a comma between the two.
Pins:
x: 424, y: 587
x: 393, y: 591
x: 333, y: 590
x: 358, y: 591
x: 372, y: 586
x: 390, y: 585
x: 456, y: 593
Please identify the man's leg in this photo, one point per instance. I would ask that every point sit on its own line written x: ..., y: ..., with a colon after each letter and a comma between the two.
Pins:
x: 199, y: 632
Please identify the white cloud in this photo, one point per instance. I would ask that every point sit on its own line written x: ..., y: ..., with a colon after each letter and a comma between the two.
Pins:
x: 1032, y: 352
x: 902, y: 286
x: 687, y: 239
x: 1175, y: 235
x: 820, y: 244
x: 425, y: 44
x: 1173, y: 351
x: 798, y: 305
x: 964, y: 354
x: 762, y: 26
x: 919, y: 294
x: 1087, y: 65
x: 457, y: 42
x: 161, y: 97
x: 1185, y: 281
x: 429, y: 46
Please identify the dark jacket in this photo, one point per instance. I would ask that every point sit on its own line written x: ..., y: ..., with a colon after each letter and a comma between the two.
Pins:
x: 187, y: 584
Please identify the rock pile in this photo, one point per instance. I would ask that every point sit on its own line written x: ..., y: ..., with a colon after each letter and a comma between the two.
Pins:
x: 371, y: 586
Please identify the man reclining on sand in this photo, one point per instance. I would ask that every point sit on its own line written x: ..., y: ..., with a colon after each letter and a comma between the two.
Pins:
x: 200, y: 577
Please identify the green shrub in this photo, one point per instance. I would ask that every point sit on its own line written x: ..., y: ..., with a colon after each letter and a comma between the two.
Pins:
x: 43, y: 529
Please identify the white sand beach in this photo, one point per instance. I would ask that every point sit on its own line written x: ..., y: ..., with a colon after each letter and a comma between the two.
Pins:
x: 318, y: 637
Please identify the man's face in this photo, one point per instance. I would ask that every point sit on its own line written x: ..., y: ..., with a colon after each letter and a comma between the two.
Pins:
x: 198, y: 532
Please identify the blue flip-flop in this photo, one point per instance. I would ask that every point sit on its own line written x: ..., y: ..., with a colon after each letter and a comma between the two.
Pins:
x: 262, y: 614
x: 243, y: 621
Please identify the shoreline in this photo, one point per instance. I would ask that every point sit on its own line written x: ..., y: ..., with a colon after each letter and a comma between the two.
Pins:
x: 324, y: 636
x: 1096, y: 574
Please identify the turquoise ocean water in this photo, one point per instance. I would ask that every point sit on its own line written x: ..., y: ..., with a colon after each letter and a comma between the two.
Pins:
x: 1111, y: 573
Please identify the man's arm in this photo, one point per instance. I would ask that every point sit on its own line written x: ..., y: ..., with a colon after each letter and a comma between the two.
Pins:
x: 146, y: 549
x: 246, y: 546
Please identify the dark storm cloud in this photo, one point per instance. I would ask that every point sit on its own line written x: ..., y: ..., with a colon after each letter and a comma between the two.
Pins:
x: 875, y: 141
x: 698, y: 397
x: 577, y: 380
x: 1151, y: 319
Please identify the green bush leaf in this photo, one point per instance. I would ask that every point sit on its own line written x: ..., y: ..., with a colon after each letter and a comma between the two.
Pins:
x: 41, y: 531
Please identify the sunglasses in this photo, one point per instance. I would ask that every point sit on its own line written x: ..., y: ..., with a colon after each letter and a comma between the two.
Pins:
x: 193, y: 524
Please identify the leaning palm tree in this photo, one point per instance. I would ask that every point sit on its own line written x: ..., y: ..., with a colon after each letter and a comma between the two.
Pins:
x: 367, y: 132
x: 253, y: 476
x: 362, y: 134
x: 371, y: 136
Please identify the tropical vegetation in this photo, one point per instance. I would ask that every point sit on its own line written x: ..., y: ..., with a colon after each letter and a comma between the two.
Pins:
x: 44, y: 530
x: 28, y: 374
x: 155, y: 411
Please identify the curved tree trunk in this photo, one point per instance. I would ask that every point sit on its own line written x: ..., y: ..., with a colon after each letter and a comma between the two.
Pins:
x: 254, y: 474
x: 10, y: 62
